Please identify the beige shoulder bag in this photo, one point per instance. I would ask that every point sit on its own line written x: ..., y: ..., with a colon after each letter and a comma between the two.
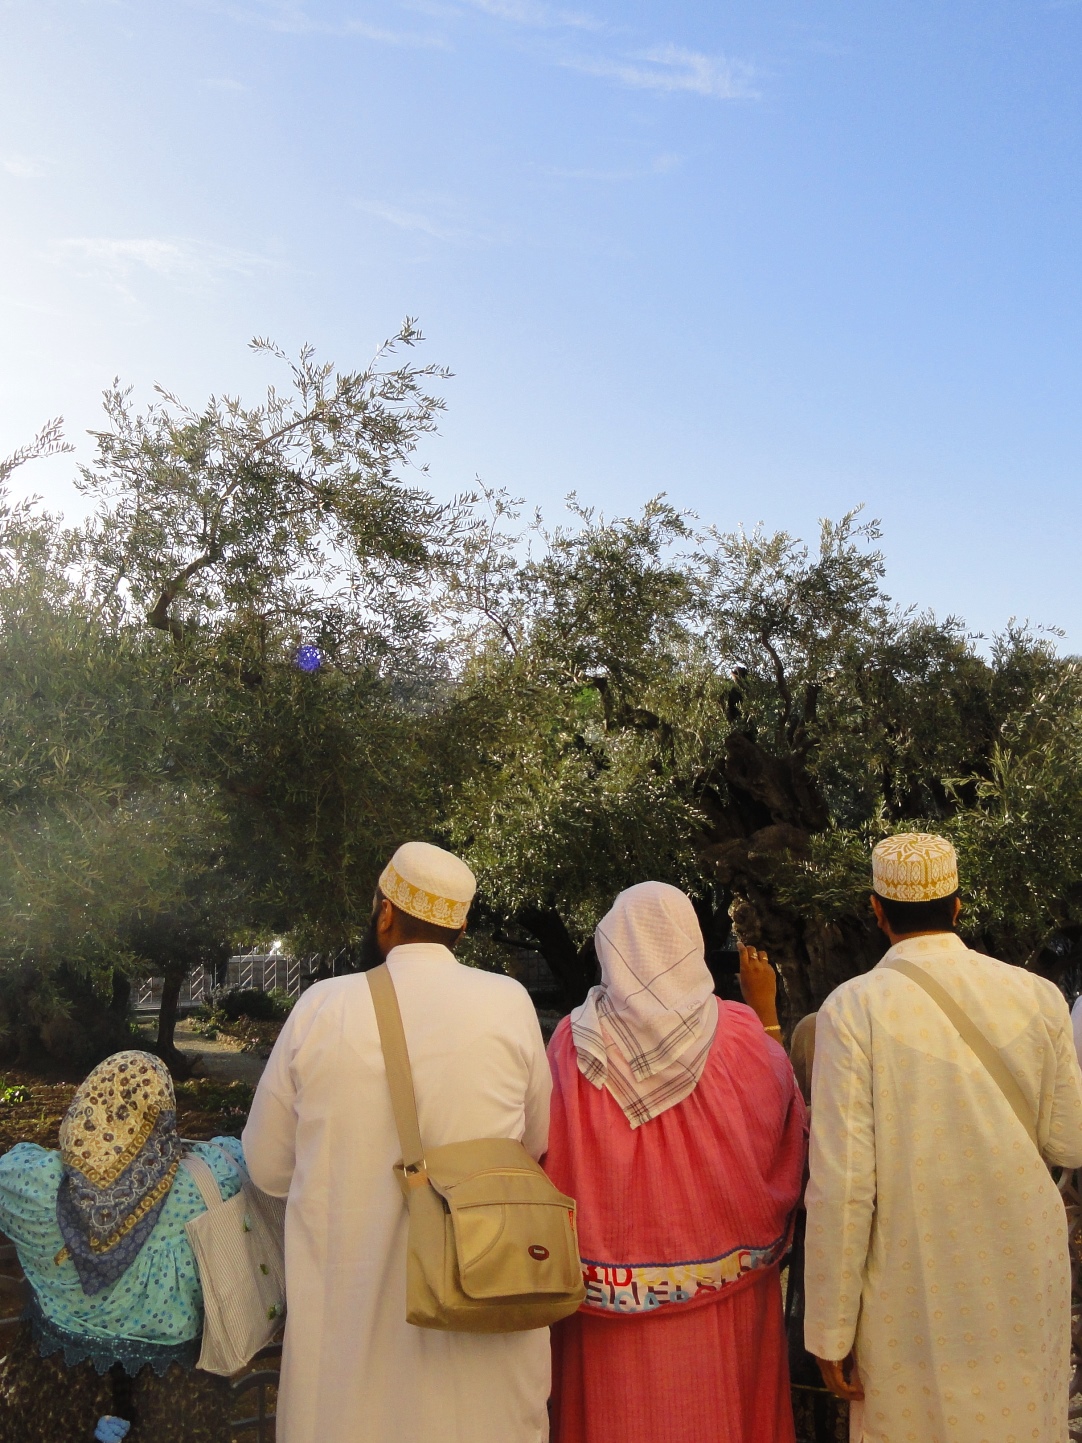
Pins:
x: 492, y: 1244
x: 971, y: 1034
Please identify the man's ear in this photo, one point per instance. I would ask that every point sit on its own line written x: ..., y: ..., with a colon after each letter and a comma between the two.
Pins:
x: 880, y: 915
x: 957, y: 911
x: 384, y: 918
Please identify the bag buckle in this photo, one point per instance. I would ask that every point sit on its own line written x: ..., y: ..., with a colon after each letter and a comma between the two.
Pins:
x: 416, y: 1174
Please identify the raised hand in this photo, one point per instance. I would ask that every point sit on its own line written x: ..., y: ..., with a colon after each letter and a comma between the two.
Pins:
x: 759, y: 984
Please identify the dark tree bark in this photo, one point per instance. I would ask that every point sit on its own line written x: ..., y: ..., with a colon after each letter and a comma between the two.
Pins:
x: 767, y: 810
x: 121, y: 997
x: 167, y: 1050
x: 572, y: 967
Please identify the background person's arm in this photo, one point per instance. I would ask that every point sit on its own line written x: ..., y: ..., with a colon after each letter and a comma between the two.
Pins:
x: 1062, y: 1147
x: 841, y: 1190
x: 538, y: 1087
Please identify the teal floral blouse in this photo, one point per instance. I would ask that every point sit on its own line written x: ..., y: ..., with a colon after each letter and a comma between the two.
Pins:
x: 157, y: 1301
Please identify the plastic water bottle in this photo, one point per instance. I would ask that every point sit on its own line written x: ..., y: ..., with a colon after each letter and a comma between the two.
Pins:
x: 110, y: 1429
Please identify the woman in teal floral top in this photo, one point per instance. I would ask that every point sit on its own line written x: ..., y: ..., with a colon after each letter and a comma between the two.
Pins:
x: 117, y: 1310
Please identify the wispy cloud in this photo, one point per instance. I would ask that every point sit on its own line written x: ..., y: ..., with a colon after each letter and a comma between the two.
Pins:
x: 187, y: 264
x: 665, y: 67
x: 672, y: 68
x: 22, y: 167
x: 286, y: 17
x: 536, y: 15
x: 430, y: 222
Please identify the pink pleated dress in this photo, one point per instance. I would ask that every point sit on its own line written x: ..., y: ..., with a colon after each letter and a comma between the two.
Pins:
x: 683, y: 1223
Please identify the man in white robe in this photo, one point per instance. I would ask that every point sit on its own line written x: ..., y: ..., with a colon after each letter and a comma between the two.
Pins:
x: 321, y: 1131
x: 936, y: 1246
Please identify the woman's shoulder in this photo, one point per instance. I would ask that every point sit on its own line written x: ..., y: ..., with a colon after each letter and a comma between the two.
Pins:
x: 225, y: 1157
x: 30, y: 1177
x: 185, y: 1201
x: 28, y: 1168
x: 741, y: 1031
x: 562, y: 1029
x: 213, y: 1149
x: 737, y: 1020
x: 561, y: 1043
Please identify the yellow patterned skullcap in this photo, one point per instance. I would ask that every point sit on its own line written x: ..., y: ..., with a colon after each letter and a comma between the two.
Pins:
x: 429, y: 883
x: 914, y: 867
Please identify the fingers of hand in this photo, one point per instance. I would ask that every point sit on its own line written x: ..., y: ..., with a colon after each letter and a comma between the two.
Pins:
x: 841, y: 1386
x: 835, y: 1380
x: 753, y: 957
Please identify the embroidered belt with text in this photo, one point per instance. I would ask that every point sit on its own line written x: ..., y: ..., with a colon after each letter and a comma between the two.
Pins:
x: 643, y: 1287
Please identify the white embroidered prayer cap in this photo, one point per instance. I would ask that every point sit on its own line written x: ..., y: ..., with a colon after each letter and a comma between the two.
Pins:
x: 429, y: 883
x: 914, y: 867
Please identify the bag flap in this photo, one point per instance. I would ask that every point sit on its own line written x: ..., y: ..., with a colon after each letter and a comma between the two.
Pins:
x: 508, y: 1249
x: 502, y: 1185
x: 514, y: 1231
x: 453, y: 1163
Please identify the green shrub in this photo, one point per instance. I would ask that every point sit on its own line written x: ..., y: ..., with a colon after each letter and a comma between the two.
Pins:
x: 259, y: 1006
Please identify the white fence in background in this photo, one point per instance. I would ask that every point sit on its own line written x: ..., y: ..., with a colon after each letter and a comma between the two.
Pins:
x: 249, y: 972
x: 196, y: 988
x: 264, y: 972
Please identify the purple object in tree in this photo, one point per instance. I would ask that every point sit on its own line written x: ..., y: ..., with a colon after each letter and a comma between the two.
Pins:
x: 308, y: 658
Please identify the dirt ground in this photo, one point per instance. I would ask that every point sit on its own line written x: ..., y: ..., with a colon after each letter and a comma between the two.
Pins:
x: 32, y: 1106
x: 213, y: 1104
x: 224, y: 1057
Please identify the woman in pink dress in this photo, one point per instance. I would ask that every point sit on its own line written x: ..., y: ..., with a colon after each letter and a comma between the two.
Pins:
x: 678, y: 1125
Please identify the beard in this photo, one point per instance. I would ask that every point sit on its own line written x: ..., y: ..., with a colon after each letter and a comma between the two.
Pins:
x: 369, y: 954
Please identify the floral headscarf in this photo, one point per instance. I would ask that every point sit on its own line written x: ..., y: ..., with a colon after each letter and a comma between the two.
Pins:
x: 120, y: 1150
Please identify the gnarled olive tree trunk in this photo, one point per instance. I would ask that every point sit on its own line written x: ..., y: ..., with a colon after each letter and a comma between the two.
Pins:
x: 166, y: 1048
x: 768, y: 811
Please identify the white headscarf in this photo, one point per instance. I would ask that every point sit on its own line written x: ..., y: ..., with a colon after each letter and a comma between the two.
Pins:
x: 645, y: 1032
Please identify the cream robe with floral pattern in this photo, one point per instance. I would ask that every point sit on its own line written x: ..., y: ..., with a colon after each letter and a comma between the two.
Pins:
x: 937, y: 1240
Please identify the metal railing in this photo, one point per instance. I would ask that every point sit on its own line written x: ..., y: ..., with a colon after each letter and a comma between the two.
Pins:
x: 819, y: 1419
x: 195, y: 990
x: 264, y: 972
x: 258, y: 1389
x: 247, y: 972
x: 14, y: 1290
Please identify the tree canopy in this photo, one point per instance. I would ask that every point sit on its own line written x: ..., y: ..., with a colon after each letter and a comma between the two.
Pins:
x: 270, y: 655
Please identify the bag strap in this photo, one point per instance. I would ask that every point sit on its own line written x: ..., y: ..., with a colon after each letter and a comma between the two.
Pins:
x: 204, y: 1180
x: 396, y: 1059
x: 970, y: 1033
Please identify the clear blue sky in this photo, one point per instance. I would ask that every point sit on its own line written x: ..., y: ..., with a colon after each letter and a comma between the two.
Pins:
x: 773, y: 258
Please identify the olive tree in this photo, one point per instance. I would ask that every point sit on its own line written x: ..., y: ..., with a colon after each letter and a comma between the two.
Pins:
x: 744, y: 715
x: 236, y: 791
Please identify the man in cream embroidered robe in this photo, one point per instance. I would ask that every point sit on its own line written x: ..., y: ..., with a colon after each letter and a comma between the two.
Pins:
x: 937, y: 1240
x: 322, y: 1131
